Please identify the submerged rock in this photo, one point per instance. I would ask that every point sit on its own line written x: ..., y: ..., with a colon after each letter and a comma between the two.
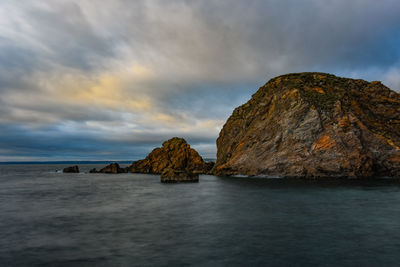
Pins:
x: 72, y: 169
x: 173, y: 176
x: 313, y: 125
x: 174, y: 154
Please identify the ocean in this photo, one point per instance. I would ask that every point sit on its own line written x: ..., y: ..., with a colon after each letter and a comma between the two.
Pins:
x: 58, y: 219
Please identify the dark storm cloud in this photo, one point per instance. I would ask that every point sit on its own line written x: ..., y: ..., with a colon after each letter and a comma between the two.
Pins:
x: 105, y: 77
x: 247, y: 40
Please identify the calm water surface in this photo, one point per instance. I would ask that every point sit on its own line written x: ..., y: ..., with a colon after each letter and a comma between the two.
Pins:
x: 56, y: 219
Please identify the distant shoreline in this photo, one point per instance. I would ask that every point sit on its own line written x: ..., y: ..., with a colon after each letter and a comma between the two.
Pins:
x: 68, y: 162
x: 75, y: 162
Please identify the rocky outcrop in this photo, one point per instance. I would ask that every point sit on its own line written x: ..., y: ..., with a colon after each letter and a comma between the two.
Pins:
x: 72, y: 169
x: 175, y: 154
x: 111, y: 168
x: 174, y: 176
x: 208, y: 167
x: 313, y: 125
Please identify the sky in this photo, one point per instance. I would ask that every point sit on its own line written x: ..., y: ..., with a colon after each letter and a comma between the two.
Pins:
x: 112, y: 79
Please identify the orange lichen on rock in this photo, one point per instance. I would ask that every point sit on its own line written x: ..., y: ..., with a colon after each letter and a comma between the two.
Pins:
x: 319, y: 76
x: 395, y: 159
x: 291, y: 93
x: 390, y: 142
x: 294, y: 92
x: 240, y: 146
x: 325, y: 142
x: 343, y: 122
x: 376, y: 82
x: 319, y: 90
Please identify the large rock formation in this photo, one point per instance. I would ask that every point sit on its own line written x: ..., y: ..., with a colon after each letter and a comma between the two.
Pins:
x: 313, y: 125
x: 175, y: 154
x: 72, y: 169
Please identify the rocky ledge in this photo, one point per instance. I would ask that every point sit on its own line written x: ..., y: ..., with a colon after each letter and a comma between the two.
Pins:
x: 174, y: 159
x: 313, y: 125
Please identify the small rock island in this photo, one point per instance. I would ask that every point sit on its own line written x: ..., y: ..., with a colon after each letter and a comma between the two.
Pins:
x: 72, y: 169
x: 111, y: 168
x: 176, y: 161
x: 313, y: 125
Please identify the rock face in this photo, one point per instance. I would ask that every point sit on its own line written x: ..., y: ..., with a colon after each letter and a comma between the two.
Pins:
x: 175, y: 154
x: 111, y: 168
x: 313, y: 125
x: 72, y: 169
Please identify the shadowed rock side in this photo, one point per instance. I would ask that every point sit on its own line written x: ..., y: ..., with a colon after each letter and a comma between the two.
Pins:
x: 111, y: 168
x: 176, y: 155
x: 72, y: 169
x: 313, y: 125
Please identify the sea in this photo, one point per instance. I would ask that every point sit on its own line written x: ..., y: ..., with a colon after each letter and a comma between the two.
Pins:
x: 50, y: 218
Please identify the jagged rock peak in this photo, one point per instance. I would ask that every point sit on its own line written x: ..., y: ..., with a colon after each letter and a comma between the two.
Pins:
x: 313, y: 125
x: 174, y: 143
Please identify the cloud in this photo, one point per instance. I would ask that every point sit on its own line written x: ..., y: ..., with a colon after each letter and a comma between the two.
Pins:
x: 134, y: 73
x: 392, y: 78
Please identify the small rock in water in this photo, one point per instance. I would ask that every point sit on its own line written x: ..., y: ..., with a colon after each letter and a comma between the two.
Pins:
x: 72, y: 169
x: 173, y: 176
x: 112, y: 168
